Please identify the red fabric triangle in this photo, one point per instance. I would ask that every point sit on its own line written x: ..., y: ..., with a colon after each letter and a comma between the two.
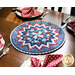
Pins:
x: 35, y: 62
x: 49, y: 61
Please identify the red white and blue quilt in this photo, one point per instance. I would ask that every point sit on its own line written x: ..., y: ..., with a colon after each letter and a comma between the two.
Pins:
x: 37, y: 37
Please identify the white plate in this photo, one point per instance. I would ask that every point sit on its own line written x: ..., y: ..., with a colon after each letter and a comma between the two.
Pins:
x: 69, y: 28
x: 40, y: 9
x: 3, y: 42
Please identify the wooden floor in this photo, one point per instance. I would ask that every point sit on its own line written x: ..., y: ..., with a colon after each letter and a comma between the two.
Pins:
x: 8, y: 22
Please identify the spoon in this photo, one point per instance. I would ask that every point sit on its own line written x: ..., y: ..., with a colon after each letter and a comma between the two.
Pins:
x: 4, y: 52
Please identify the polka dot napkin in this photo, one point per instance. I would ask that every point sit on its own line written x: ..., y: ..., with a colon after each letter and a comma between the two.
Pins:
x: 49, y: 61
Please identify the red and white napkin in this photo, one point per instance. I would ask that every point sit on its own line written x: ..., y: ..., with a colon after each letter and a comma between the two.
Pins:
x: 72, y: 25
x: 2, y: 42
x: 49, y: 61
x: 29, y: 12
x: 35, y: 62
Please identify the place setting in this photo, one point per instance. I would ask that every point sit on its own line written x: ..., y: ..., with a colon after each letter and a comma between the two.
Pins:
x: 69, y: 23
x: 29, y: 12
x: 71, y: 26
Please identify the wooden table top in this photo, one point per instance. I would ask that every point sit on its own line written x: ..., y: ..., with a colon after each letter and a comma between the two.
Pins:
x: 8, y: 22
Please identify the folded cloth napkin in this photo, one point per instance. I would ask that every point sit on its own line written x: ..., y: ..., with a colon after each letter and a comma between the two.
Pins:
x: 72, y: 25
x: 28, y: 12
x: 49, y: 61
x: 35, y: 62
x: 0, y: 36
x: 74, y: 30
x: 1, y: 41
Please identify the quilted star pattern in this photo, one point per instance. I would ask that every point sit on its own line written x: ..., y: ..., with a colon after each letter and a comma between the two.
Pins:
x: 37, y: 37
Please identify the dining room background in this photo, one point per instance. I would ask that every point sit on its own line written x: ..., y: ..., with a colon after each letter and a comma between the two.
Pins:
x: 37, y: 36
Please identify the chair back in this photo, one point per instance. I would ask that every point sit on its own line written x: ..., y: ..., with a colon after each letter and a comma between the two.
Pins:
x: 66, y: 10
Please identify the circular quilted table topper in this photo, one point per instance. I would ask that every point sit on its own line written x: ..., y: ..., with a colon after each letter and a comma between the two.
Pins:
x: 37, y: 37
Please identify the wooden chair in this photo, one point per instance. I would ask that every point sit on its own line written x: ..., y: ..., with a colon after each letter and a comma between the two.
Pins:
x: 67, y: 10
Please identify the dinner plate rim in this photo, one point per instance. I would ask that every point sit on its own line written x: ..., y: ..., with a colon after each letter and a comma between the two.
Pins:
x: 69, y: 28
x: 2, y: 47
